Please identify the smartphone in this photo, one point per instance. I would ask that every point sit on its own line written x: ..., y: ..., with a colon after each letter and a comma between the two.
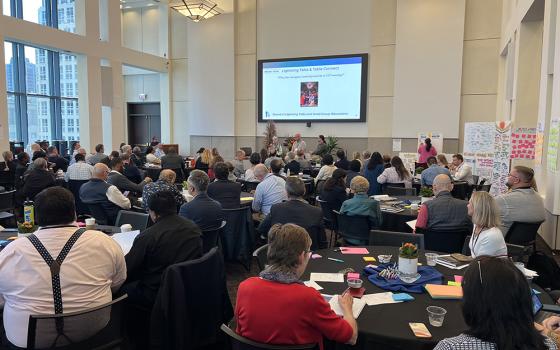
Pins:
x: 420, y: 330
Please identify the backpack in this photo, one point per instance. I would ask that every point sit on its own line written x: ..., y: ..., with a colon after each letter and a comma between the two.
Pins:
x: 547, y: 268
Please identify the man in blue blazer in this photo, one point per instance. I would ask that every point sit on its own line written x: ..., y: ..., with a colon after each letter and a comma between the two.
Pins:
x: 202, y: 210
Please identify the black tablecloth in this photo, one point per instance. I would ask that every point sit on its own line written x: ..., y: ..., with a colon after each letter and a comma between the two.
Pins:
x: 397, y: 221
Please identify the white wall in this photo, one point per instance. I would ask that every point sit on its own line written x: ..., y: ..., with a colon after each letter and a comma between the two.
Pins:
x: 428, y: 62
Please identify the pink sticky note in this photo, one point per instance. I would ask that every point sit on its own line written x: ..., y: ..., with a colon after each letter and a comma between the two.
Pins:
x: 352, y: 250
x: 352, y: 276
x: 458, y: 279
x: 316, y: 256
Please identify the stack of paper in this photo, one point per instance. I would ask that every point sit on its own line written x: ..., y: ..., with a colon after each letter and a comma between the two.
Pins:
x: 125, y: 240
x: 353, y: 250
x: 379, y: 299
x: 530, y: 273
x: 357, y: 306
x: 439, y: 291
x: 313, y: 284
x: 450, y: 262
x: 326, y: 277
x: 391, y: 209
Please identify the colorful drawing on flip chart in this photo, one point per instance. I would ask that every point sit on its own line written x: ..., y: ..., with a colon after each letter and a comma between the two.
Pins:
x: 435, y: 137
x: 479, y: 137
x: 523, y: 142
x: 502, y: 150
x: 539, y: 143
x: 553, y: 143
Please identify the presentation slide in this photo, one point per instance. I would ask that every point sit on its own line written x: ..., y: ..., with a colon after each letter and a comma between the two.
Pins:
x: 329, y: 88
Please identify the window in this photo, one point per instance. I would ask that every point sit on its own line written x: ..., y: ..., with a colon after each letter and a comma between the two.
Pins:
x: 66, y: 19
x: 52, y: 13
x: 7, y: 7
x: 34, y: 11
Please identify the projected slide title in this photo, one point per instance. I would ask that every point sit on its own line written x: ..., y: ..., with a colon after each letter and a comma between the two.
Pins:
x: 314, y: 89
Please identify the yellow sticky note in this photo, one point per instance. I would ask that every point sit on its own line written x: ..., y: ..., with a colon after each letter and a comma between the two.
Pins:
x: 451, y: 283
x: 369, y: 258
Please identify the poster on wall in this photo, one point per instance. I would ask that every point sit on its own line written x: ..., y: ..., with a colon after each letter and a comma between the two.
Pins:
x: 553, y: 143
x: 523, y: 143
x: 479, y: 137
x: 435, y: 137
x: 408, y: 159
x: 482, y: 164
x: 539, y: 143
x: 502, y: 150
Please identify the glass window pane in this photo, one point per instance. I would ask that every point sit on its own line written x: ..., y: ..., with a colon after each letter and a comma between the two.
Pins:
x: 9, y: 59
x: 66, y: 17
x: 70, y: 120
x: 7, y: 9
x: 68, y: 75
x: 35, y: 11
x: 39, y: 118
x: 36, y: 71
x: 12, y: 124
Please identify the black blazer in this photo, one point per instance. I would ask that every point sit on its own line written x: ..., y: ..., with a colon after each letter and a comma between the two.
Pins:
x: 60, y: 163
x: 124, y: 184
x: 294, y: 167
x: 226, y: 192
x: 334, y: 197
x: 172, y: 161
x: 295, y: 212
x: 204, y: 211
x: 36, y: 181
x: 343, y: 164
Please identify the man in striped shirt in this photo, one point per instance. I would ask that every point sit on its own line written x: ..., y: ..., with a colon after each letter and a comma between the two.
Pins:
x: 79, y: 170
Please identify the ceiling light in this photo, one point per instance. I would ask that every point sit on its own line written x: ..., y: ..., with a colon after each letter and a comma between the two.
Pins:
x: 197, y: 10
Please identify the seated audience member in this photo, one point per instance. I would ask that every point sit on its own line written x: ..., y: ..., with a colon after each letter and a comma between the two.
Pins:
x: 522, y: 203
x: 271, y: 156
x: 21, y: 168
x: 59, y: 162
x: 107, y: 160
x: 321, y: 149
x: 342, y: 162
x: 357, y: 156
x: 300, y: 158
x: 80, y: 170
x: 9, y: 163
x: 292, y: 165
x: 443, y: 213
x: 361, y: 204
x: 159, y: 150
x: 38, y: 179
x: 428, y: 175
x: 487, y: 238
x: 170, y: 240
x: 151, y: 158
x: 276, y: 167
x: 26, y: 286
x: 231, y: 169
x: 37, y: 155
x: 203, y: 162
x: 366, y: 155
x: 172, y: 160
x: 137, y: 157
x: 239, y: 167
x: 215, y: 160
x: 334, y: 190
x: 396, y: 174
x: 442, y: 161
x: 165, y: 182
x: 34, y: 147
x: 372, y: 171
x: 123, y: 184
x: 270, y: 190
x: 97, y: 156
x: 296, y: 211
x: 205, y: 212
x: 226, y: 192
x: 278, y: 300
x: 250, y: 173
x: 215, y: 153
x: 497, y: 309
x: 130, y: 170
x: 126, y: 149
x: 387, y: 161
x: 75, y: 150
x: 460, y: 170
x: 327, y: 169
x: 98, y: 191
x: 353, y: 171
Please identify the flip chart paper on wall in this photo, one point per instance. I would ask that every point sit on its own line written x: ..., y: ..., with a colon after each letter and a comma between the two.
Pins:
x: 479, y: 138
x: 539, y: 143
x: 502, y: 149
x: 435, y: 137
x: 408, y: 159
x: 397, y: 145
x: 523, y: 142
x: 553, y: 143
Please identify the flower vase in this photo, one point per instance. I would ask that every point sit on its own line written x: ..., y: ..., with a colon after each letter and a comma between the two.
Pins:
x: 408, y: 267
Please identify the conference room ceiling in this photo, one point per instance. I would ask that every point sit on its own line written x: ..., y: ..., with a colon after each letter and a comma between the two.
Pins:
x: 225, y: 5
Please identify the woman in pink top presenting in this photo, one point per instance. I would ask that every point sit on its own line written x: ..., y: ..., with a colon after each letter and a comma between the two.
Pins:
x: 426, y: 150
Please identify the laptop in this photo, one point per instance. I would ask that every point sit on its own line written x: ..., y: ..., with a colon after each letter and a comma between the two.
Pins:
x: 543, y: 311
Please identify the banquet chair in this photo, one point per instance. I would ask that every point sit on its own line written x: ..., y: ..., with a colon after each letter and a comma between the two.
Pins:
x: 241, y: 343
x: 100, y: 327
x: 7, y: 205
x: 101, y: 217
x: 261, y: 255
x: 210, y: 238
x: 355, y: 228
x: 238, y: 236
x: 400, y: 191
x: 74, y: 187
x: 138, y: 221
x: 249, y: 186
x: 7, y: 179
x: 523, y: 234
x: 329, y: 218
x: 450, y: 241
x: 395, y: 239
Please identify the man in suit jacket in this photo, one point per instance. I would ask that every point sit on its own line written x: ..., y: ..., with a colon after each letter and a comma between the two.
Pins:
x: 203, y: 210
x: 172, y: 160
x: 38, y: 179
x: 117, y: 178
x: 222, y: 190
x: 296, y: 211
x: 54, y: 157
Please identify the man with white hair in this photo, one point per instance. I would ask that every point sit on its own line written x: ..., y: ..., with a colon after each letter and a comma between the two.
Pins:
x: 107, y: 196
x: 239, y: 167
x: 270, y: 190
x: 443, y: 213
x: 298, y: 144
x: 126, y: 149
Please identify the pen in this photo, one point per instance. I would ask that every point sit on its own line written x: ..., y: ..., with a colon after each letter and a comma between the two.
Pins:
x: 337, y: 260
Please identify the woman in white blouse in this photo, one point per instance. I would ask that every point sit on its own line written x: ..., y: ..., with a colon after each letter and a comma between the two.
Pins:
x: 487, y: 238
x: 397, y: 173
x: 327, y: 169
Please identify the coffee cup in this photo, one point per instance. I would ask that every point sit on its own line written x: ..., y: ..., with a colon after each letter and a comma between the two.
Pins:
x: 414, y: 206
x: 90, y: 223
x: 126, y: 228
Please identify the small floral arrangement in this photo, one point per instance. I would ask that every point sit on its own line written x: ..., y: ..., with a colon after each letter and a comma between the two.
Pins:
x: 185, y: 185
x: 408, y: 251
x: 26, y: 227
x: 426, y: 192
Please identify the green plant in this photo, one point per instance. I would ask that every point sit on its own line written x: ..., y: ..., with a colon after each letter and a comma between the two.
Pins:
x: 426, y: 192
x: 408, y: 251
x: 332, y: 144
x: 185, y: 185
x: 419, y: 170
x: 269, y: 133
x: 26, y: 227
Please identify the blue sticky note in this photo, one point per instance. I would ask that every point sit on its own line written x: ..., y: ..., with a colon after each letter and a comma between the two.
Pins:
x: 402, y: 297
x: 536, y: 292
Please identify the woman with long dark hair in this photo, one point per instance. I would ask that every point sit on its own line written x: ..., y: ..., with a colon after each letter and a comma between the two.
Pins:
x: 497, y: 308
x: 373, y: 169
x: 426, y: 150
x: 396, y: 174
x: 334, y: 190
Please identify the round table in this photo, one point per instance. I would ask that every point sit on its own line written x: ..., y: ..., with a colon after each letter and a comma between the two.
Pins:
x: 397, y: 221
x: 387, y: 325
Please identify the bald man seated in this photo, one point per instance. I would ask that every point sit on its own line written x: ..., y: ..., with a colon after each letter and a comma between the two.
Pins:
x: 107, y: 196
x: 443, y: 213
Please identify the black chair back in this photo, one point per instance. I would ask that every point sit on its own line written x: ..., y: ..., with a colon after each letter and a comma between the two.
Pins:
x: 238, y: 235
x: 247, y: 150
x: 249, y: 186
x: 523, y: 233
x: 7, y: 178
x: 74, y: 187
x: 400, y: 191
x: 138, y: 221
x: 8, y: 201
x: 96, y: 328
x: 210, y: 238
x: 261, y: 255
x: 241, y: 343
x: 444, y: 241
x: 98, y: 212
x: 466, y: 248
x: 354, y: 227
x: 327, y: 213
x: 460, y: 190
x: 390, y: 184
x: 395, y: 239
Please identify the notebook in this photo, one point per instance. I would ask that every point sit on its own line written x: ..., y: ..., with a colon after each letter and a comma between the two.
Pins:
x: 357, y: 306
x: 439, y: 291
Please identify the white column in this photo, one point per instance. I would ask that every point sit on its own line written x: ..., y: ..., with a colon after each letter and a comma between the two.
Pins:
x: 165, y: 89
x: 4, y: 141
x: 89, y: 99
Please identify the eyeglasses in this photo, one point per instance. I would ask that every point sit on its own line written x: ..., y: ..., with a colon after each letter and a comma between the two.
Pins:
x: 515, y: 177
